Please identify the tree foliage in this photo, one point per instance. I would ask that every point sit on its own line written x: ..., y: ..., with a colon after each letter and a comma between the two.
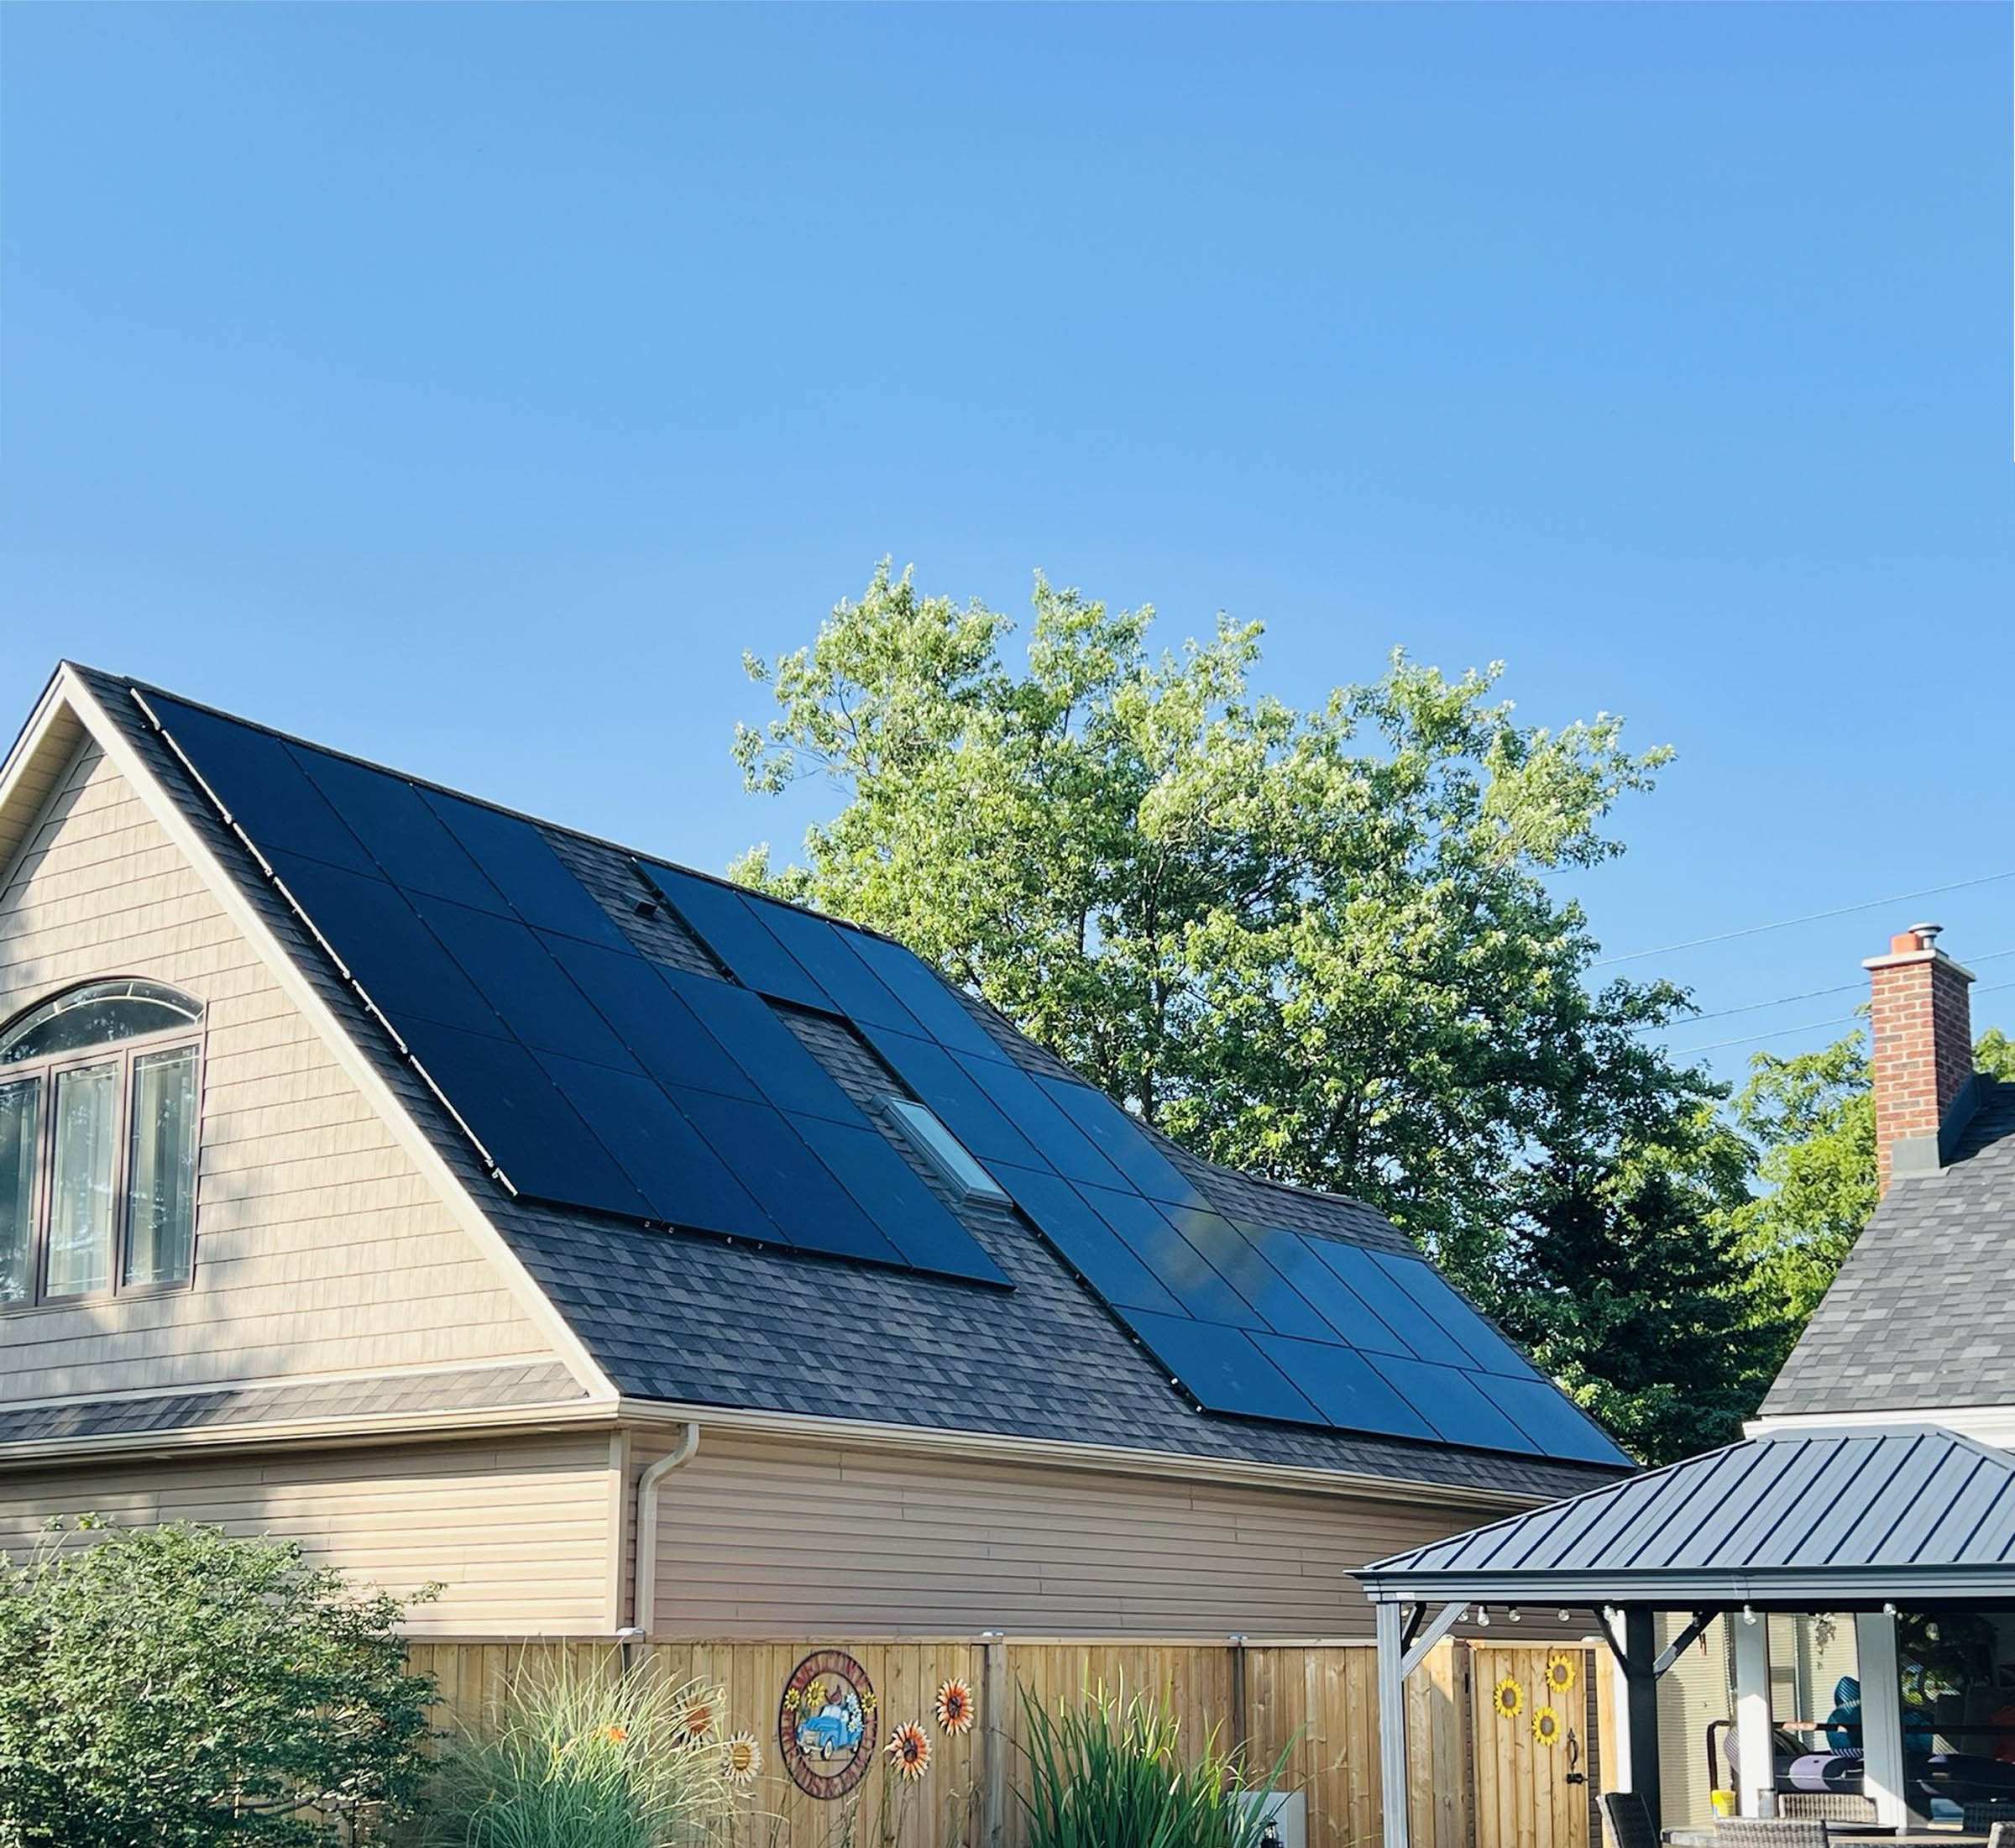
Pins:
x: 1811, y: 1118
x: 171, y: 1687
x: 1322, y: 944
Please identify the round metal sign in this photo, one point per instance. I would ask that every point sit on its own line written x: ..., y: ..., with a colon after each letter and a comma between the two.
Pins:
x: 825, y: 1723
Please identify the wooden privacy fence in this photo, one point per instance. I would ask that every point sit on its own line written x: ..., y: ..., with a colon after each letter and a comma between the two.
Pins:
x: 1480, y: 1772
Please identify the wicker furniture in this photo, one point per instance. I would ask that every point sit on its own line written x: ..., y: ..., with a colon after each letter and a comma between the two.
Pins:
x: 1771, y: 1832
x: 1977, y: 1819
x: 1826, y: 1806
x: 1629, y: 1819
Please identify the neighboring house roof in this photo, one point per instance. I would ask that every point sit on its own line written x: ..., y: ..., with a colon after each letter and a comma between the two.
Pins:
x: 1911, y: 1512
x: 1919, y: 1317
x: 695, y: 1321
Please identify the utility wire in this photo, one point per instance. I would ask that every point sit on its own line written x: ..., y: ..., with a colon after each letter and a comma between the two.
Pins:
x: 1810, y: 1026
x: 1810, y: 917
x: 1810, y: 994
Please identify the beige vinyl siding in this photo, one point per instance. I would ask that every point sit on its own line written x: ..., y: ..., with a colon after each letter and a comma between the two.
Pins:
x: 767, y: 1539
x: 320, y: 1248
x: 517, y: 1532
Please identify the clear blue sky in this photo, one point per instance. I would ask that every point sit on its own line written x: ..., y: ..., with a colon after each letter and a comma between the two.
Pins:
x: 467, y: 387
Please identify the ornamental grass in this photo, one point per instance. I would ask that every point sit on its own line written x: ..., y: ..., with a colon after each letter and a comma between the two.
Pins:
x: 1112, y: 1772
x: 580, y: 1757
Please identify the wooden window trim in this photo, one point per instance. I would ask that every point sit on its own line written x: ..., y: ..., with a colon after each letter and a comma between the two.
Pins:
x: 122, y: 1053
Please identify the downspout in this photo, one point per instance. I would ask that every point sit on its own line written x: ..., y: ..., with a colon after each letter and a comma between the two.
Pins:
x: 645, y: 1581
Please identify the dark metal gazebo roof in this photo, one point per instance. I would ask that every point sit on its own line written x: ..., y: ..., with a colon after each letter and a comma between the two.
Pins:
x: 1819, y: 1519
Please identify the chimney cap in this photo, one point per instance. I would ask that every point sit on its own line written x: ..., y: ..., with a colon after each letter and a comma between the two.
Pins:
x: 1927, y: 933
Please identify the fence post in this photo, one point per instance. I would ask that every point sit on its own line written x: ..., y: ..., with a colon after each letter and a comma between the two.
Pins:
x: 1241, y: 1731
x: 993, y: 1739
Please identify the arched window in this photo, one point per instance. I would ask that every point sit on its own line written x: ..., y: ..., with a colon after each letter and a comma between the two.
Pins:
x: 98, y: 1091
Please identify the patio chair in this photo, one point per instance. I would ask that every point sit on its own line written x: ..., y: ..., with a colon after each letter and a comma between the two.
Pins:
x: 1629, y: 1819
x: 2002, y: 1835
x: 1771, y: 1832
x: 1826, y: 1806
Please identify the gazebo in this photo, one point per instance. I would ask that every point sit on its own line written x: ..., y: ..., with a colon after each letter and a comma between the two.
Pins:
x: 1870, y: 1519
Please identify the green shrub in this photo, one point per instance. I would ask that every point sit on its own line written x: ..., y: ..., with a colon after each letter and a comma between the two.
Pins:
x: 581, y: 1756
x: 1111, y: 1773
x: 171, y: 1687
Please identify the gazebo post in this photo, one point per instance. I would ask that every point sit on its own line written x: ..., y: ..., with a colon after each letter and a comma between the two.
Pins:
x: 1640, y: 1675
x: 1882, y: 1771
x: 1392, y: 1724
x: 1755, y: 1748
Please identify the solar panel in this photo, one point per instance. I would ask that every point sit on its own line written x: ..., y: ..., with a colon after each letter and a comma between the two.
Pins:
x: 1486, y: 1347
x: 1191, y: 1278
x: 1243, y: 1255
x: 725, y: 922
x: 824, y: 950
x: 775, y: 1057
x: 1123, y: 1142
x: 517, y: 859
x: 888, y: 1190
x: 539, y: 1141
x: 789, y: 1183
x: 405, y: 839
x: 1086, y: 1242
x: 1224, y: 1370
x: 385, y: 945
x: 1453, y: 1402
x: 1039, y: 1119
x: 1424, y: 1337
x: 636, y: 996
x: 943, y: 1083
x: 1348, y: 1316
x: 927, y: 996
x: 1344, y: 1387
x: 502, y: 957
x: 682, y: 1180
x: 1549, y: 1419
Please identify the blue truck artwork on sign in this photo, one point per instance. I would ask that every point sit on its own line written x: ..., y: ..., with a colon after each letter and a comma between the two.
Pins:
x: 825, y: 1723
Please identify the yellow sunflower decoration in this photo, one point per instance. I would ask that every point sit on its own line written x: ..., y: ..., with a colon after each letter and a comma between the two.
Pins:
x: 954, y: 1707
x: 1560, y: 1671
x: 1545, y: 1726
x: 1509, y: 1700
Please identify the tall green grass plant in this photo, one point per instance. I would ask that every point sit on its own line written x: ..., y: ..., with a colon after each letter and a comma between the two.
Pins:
x: 1112, y: 1772
x: 580, y: 1757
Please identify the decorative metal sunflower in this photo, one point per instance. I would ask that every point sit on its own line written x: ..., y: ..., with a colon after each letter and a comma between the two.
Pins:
x: 954, y: 1707
x: 697, y: 1709
x: 1560, y: 1671
x: 1509, y: 1700
x: 742, y: 1758
x: 1546, y: 1727
x: 909, y: 1751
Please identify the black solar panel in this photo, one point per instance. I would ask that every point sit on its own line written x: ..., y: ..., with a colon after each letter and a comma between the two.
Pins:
x: 598, y: 1077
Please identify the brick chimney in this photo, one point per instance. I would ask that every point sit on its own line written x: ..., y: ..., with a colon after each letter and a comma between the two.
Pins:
x: 1923, y: 1029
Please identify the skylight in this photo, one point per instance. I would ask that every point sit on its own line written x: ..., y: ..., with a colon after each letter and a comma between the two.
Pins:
x: 944, y: 1150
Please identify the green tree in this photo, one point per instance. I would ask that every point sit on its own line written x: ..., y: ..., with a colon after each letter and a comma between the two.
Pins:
x: 1321, y: 944
x: 1811, y: 1118
x: 171, y: 1687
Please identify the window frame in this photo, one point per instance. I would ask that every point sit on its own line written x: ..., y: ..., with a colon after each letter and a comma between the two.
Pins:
x: 48, y: 1068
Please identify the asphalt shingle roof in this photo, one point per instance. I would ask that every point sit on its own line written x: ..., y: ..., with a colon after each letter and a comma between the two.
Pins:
x: 690, y: 1320
x: 1920, y: 1315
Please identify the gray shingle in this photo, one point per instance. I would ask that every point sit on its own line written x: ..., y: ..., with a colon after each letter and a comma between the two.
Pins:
x: 1919, y: 1316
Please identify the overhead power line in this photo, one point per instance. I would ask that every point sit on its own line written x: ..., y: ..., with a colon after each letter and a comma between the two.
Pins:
x: 1810, y: 917
x: 1810, y: 1026
x: 1809, y: 994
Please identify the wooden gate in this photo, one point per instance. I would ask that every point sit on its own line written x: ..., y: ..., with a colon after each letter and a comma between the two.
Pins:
x: 1482, y: 1771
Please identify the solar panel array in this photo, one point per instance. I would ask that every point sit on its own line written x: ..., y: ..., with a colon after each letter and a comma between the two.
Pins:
x: 592, y: 1075
x: 596, y: 1077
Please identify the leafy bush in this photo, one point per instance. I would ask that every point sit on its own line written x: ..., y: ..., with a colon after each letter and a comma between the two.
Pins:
x: 581, y: 1756
x: 171, y: 1687
x: 1112, y: 1773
